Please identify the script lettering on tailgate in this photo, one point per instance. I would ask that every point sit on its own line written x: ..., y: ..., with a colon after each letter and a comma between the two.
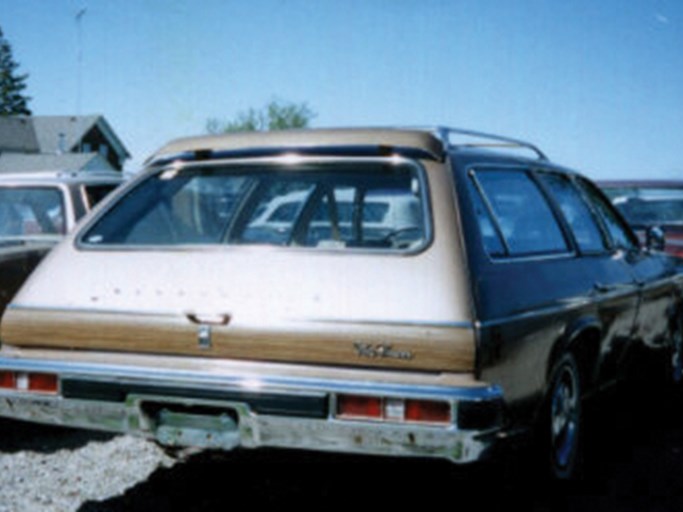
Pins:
x: 381, y: 351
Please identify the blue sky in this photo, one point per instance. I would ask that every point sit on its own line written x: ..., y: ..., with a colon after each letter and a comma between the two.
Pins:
x: 597, y: 84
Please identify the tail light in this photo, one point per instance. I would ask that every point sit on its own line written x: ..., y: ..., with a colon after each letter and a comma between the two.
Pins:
x: 350, y: 406
x: 393, y: 409
x: 427, y: 411
x: 45, y: 383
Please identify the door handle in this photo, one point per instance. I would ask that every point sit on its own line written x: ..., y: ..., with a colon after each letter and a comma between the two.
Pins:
x: 603, y: 288
x: 209, y: 318
x: 614, y: 287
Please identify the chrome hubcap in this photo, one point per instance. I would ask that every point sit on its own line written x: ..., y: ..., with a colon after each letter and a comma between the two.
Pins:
x: 564, y: 418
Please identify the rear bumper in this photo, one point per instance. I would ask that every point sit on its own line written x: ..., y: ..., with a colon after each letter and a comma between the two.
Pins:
x: 224, y: 411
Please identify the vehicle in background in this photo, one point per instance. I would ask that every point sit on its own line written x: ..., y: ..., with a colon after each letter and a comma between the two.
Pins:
x: 648, y: 205
x: 36, y: 211
x: 379, y: 291
x: 385, y: 215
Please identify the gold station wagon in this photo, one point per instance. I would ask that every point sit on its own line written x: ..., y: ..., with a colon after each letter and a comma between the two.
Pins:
x: 399, y: 292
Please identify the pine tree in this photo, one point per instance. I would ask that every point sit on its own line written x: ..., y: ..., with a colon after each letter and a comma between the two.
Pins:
x: 12, y: 101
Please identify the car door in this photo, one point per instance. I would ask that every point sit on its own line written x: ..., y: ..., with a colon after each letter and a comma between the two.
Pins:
x: 605, y: 253
x: 653, y: 272
x: 541, y: 279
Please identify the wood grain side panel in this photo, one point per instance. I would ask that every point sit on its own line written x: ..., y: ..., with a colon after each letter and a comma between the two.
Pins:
x: 430, y: 348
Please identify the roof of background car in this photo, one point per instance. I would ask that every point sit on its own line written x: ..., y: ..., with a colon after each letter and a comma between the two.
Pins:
x: 640, y: 183
x: 284, y: 139
x: 62, y: 177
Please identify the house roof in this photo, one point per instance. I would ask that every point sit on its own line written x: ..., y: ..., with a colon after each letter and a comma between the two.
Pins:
x: 17, y: 134
x: 22, y: 162
x: 50, y: 130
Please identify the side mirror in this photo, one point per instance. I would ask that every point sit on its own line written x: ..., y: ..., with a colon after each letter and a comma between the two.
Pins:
x: 655, y: 239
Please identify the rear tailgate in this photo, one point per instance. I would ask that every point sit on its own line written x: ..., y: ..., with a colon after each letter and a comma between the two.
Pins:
x: 251, y: 304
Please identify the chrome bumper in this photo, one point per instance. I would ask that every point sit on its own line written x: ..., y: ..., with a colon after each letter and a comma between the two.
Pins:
x: 188, y: 408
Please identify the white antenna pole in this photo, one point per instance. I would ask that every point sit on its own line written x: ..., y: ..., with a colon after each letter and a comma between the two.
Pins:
x: 79, y: 32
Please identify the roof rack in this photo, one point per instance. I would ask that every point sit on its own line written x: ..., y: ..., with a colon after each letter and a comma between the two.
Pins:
x: 444, y: 134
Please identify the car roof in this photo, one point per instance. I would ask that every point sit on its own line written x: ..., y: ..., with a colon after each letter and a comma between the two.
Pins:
x: 302, y: 139
x: 640, y: 183
x: 431, y: 143
x: 67, y: 177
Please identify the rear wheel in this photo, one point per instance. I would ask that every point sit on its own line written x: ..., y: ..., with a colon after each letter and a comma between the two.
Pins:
x: 564, y: 417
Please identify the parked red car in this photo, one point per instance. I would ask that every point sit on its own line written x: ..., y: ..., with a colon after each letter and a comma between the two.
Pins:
x: 651, y: 203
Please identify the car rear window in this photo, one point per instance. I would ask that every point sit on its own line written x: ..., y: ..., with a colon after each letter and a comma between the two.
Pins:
x: 31, y: 211
x: 331, y: 206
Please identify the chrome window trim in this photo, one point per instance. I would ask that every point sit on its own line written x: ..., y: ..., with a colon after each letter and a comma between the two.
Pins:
x: 283, y: 161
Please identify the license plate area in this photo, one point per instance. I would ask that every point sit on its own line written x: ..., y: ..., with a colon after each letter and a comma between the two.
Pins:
x: 199, y: 426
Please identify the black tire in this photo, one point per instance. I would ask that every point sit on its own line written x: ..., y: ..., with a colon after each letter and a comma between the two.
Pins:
x: 563, y: 420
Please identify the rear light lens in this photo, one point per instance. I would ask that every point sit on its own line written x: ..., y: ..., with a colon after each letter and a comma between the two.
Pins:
x: 427, y: 411
x: 349, y: 406
x: 45, y: 383
x: 8, y: 380
x: 393, y: 409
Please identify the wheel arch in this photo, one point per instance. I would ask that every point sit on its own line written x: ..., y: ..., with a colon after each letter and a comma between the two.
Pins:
x: 582, y: 339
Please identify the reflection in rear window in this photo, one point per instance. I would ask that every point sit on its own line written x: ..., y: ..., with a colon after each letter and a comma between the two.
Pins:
x: 331, y: 206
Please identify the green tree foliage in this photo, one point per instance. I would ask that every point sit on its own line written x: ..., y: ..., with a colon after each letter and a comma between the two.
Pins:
x: 276, y: 115
x: 12, y: 101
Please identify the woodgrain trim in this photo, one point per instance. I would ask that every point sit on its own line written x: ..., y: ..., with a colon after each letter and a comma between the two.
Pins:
x: 435, y: 348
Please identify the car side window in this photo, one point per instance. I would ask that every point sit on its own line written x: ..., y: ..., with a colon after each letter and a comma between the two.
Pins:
x: 493, y: 244
x: 520, y: 212
x: 582, y: 222
x: 620, y: 234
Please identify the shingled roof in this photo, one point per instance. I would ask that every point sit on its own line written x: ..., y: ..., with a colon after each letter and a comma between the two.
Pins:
x: 50, y: 129
x: 22, y: 162
x: 17, y: 135
x: 58, y: 142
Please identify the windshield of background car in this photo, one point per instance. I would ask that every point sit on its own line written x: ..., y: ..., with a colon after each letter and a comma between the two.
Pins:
x: 649, y: 206
x: 376, y: 206
x: 30, y: 212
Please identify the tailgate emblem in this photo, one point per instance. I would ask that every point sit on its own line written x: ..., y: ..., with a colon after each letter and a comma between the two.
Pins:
x: 381, y: 351
x: 204, y: 336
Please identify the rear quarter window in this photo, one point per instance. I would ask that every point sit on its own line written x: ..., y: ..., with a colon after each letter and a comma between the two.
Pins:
x: 514, y: 217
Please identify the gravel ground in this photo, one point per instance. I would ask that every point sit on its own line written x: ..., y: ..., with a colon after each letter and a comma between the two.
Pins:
x: 53, y: 469
x: 634, y: 458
